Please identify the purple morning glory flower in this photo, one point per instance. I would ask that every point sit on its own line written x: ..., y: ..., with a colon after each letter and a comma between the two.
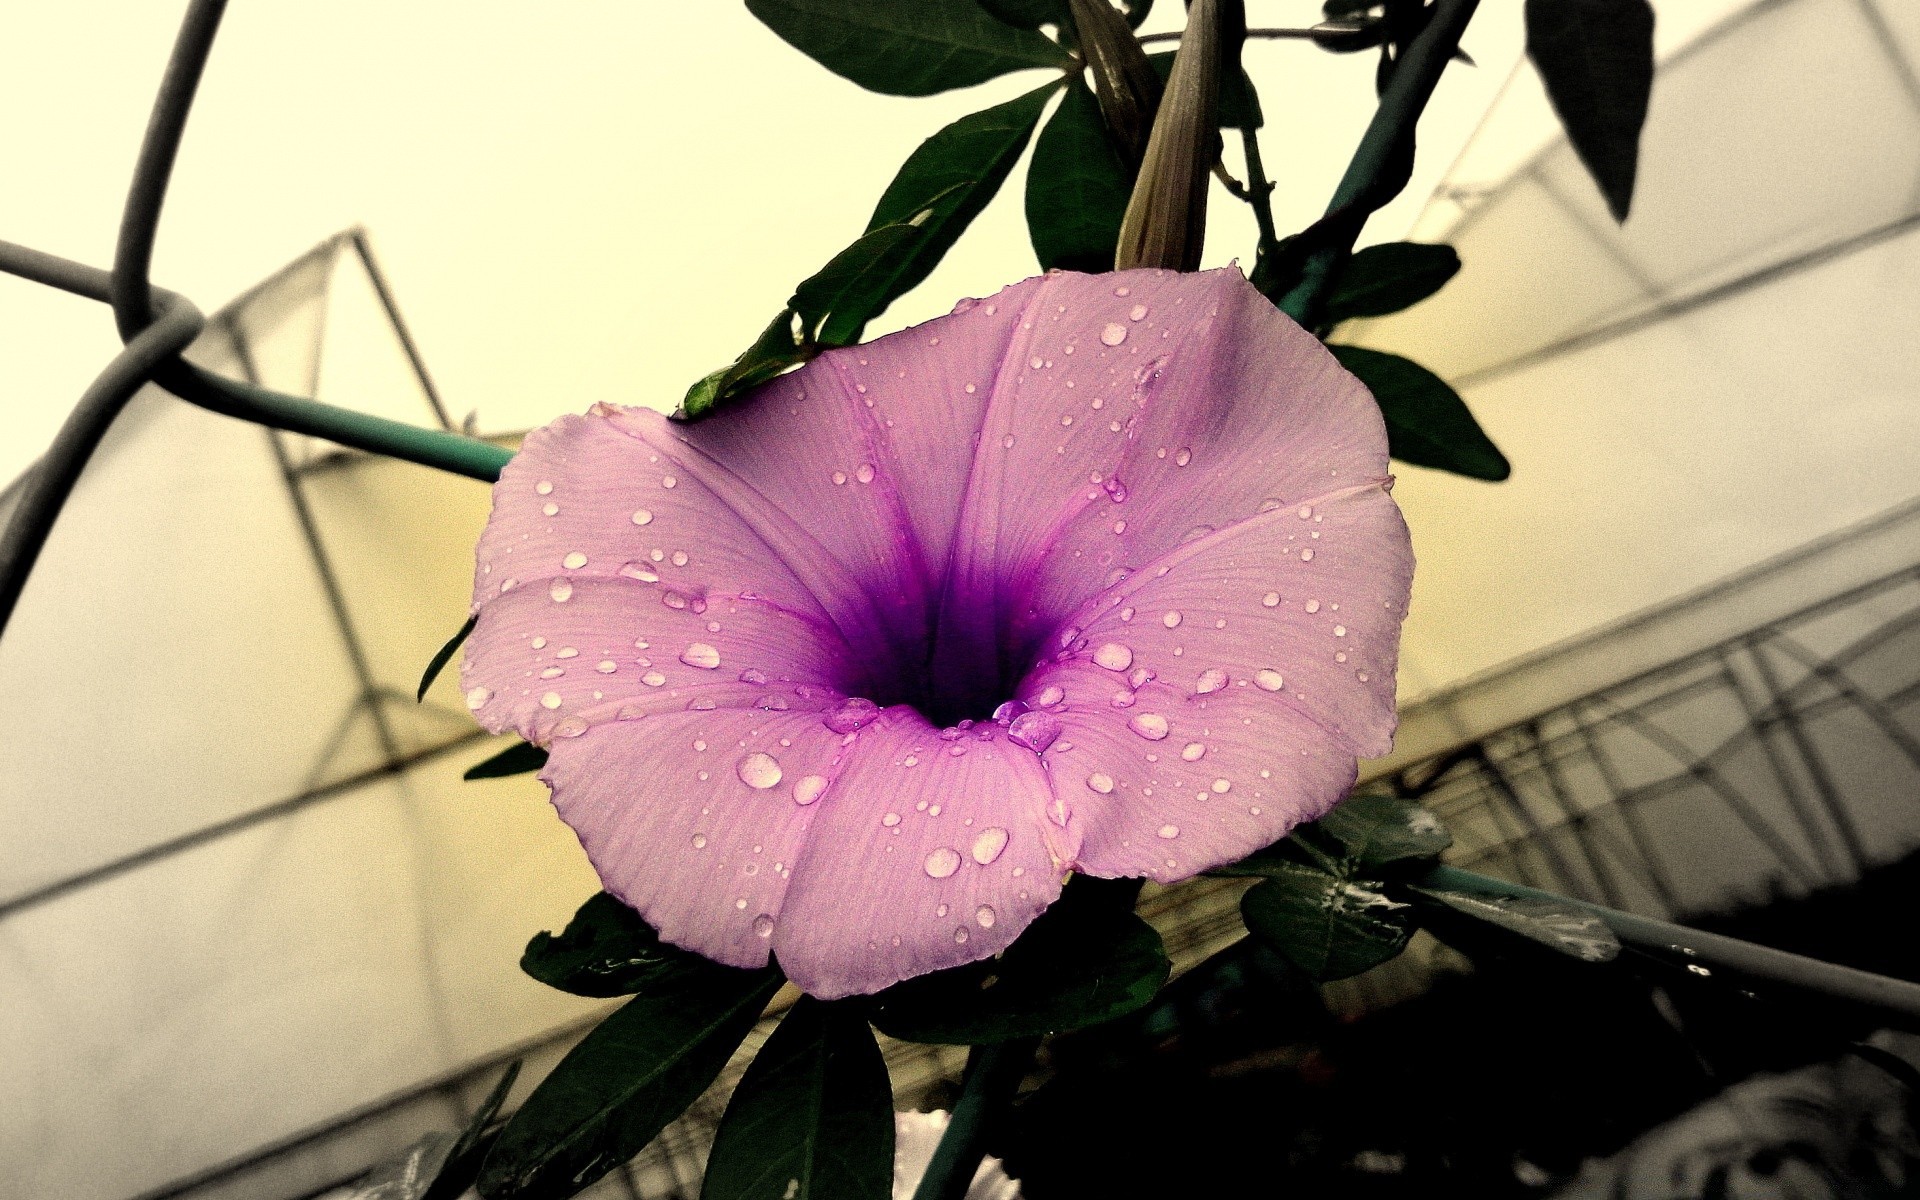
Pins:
x: 1098, y: 575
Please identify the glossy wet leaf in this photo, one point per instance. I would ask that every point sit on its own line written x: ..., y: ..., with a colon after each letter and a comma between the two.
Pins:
x: 635, y: 1072
x: 939, y: 190
x: 812, y: 1119
x: 1083, y: 962
x: 907, y: 48
x: 1596, y: 59
x: 1329, y: 925
x: 462, y: 1165
x: 1571, y: 930
x: 1427, y: 422
x: 1077, y: 189
x: 517, y: 759
x: 1388, y: 278
x: 606, y: 950
x: 442, y: 657
x: 1374, y: 830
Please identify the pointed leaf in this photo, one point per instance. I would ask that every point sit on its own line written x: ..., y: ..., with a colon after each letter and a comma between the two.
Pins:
x: 463, y: 1161
x: 1427, y: 422
x: 1081, y: 963
x: 812, y: 1119
x: 781, y: 345
x: 1596, y: 58
x: 908, y: 49
x: 617, y: 1089
x: 1238, y: 105
x: 442, y: 657
x: 1027, y: 14
x: 1571, y: 930
x: 944, y: 184
x: 1387, y: 278
x: 1329, y: 926
x: 606, y: 950
x: 835, y: 304
x: 1077, y: 189
x: 514, y: 760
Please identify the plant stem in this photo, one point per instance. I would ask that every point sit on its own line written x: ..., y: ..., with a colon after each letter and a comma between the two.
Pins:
x: 1705, y: 952
x: 1259, y: 192
x: 993, y: 1073
x: 1388, y: 136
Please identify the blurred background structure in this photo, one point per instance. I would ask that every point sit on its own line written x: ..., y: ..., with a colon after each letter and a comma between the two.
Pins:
x: 256, y: 934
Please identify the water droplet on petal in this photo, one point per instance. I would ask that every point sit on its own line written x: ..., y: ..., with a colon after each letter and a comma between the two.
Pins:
x: 1113, y: 334
x: 988, y: 846
x: 1169, y: 831
x: 1268, y: 680
x: 1113, y: 656
x: 1034, y: 730
x: 763, y: 926
x: 1270, y: 600
x: 890, y: 820
x: 544, y: 487
x: 550, y: 700
x: 865, y: 473
x: 1193, y: 750
x: 853, y: 714
x: 1183, y: 457
x: 1222, y: 786
x: 643, y: 516
x: 699, y: 841
x: 807, y: 788
x: 669, y: 482
x: 1339, y: 631
x: 1313, y: 606
x: 758, y: 770
x: 1151, y: 726
x: 1100, y: 782
x: 943, y: 862
x: 570, y: 727
x: 560, y: 590
x: 574, y: 561
x: 477, y: 697
x: 606, y: 666
x: 960, y: 934
x: 701, y: 655
x: 1171, y: 620
x: 653, y: 679
x: 1139, y: 313
x: 1211, y: 680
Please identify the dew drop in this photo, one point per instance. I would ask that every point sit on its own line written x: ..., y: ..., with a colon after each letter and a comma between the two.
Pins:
x: 1169, y: 831
x: 544, y: 487
x: 943, y: 862
x: 865, y: 473
x: 1222, y: 786
x: 570, y: 727
x: 669, y: 482
x: 1139, y: 313
x: 807, y: 788
x: 1268, y: 680
x: 1113, y: 656
x: 567, y: 652
x: 640, y: 571
x: 1151, y: 726
x: 960, y: 934
x: 758, y: 770
x: 1171, y: 620
x: 763, y: 926
x: 1049, y: 696
x: 550, y: 509
x: 1313, y: 606
x: 1113, y: 334
x: 643, y: 516
x: 1100, y: 782
x: 1183, y: 457
x: 477, y: 697
x: 890, y: 820
x: 699, y: 841
x: 1306, y: 555
x: 560, y: 590
x: 854, y: 713
x: 700, y: 655
x: 1211, y: 680
x: 989, y: 845
x: 1193, y: 750
x: 1270, y: 600
x: 679, y: 558
x: 1034, y: 730
x: 1339, y: 631
x: 574, y: 561
x: 550, y: 700
x: 653, y: 679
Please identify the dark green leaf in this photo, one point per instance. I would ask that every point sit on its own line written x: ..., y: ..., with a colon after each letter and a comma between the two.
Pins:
x: 1427, y: 422
x: 463, y: 1161
x: 638, y: 1070
x: 908, y: 49
x: 812, y: 1118
x: 1027, y: 14
x: 516, y: 759
x: 1239, y: 103
x: 1387, y: 278
x: 1570, y: 930
x: 606, y: 950
x: 1596, y: 58
x: 1375, y: 830
x: 1077, y: 189
x: 945, y: 183
x: 1328, y: 925
x: 1137, y: 11
x: 835, y: 304
x: 782, y: 344
x: 442, y: 657
x: 1080, y: 964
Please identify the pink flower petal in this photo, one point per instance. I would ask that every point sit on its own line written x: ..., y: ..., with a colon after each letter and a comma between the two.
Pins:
x: 927, y: 852
x: 1145, y: 503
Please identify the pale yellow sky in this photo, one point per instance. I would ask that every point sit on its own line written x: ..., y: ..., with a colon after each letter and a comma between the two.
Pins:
x: 600, y: 200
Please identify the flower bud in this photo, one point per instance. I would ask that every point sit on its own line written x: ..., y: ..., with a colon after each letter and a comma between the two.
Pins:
x: 1165, y: 223
x: 1124, y: 82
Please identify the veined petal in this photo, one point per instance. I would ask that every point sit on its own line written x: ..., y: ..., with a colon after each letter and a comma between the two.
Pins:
x: 930, y: 849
